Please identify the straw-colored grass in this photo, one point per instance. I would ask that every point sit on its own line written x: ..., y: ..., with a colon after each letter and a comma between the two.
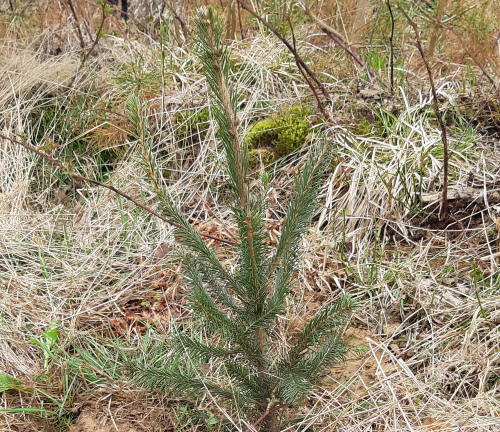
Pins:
x: 82, y: 260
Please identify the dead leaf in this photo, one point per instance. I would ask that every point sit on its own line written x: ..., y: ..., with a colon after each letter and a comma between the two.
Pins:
x: 162, y: 251
x: 435, y: 425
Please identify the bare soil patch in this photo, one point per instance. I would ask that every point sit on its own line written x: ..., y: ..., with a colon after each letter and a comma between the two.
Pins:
x: 123, y: 413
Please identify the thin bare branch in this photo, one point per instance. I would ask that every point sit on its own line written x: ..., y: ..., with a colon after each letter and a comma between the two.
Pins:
x: 74, y: 176
x: 335, y: 36
x: 443, y: 214
x: 298, y: 60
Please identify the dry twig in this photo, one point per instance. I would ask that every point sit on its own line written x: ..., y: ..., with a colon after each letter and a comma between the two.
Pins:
x: 106, y: 186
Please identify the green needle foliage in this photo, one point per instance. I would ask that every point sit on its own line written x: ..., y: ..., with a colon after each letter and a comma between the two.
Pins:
x: 239, y: 307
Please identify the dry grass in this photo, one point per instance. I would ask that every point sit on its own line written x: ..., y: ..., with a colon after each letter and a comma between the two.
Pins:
x: 76, y: 257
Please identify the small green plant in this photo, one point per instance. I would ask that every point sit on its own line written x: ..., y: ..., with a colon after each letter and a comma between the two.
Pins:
x: 52, y: 405
x: 48, y: 342
x: 239, y: 307
x: 286, y: 132
x: 8, y: 382
x: 139, y: 77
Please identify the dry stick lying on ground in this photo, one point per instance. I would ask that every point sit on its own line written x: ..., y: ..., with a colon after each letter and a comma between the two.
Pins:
x: 302, y: 66
x: 106, y: 186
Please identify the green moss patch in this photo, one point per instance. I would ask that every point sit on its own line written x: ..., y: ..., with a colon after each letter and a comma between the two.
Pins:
x: 285, y: 132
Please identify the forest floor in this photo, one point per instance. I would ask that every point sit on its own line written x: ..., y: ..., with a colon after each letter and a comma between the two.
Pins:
x: 88, y: 280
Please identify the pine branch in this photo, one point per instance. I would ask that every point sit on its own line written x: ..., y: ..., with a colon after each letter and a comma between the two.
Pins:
x: 332, y: 351
x: 245, y: 379
x: 201, y: 351
x: 253, y: 253
x: 301, y: 207
x: 164, y: 380
x: 201, y: 276
x: 294, y: 386
x: 137, y: 118
x: 214, y: 55
x: 326, y: 321
x: 205, y: 256
x: 218, y: 321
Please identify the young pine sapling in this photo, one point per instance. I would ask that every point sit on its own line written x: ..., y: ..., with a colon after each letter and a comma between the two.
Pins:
x: 240, y: 307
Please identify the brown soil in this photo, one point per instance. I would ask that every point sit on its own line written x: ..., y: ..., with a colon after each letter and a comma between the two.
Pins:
x: 91, y: 421
x: 358, y: 373
x: 120, y: 413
